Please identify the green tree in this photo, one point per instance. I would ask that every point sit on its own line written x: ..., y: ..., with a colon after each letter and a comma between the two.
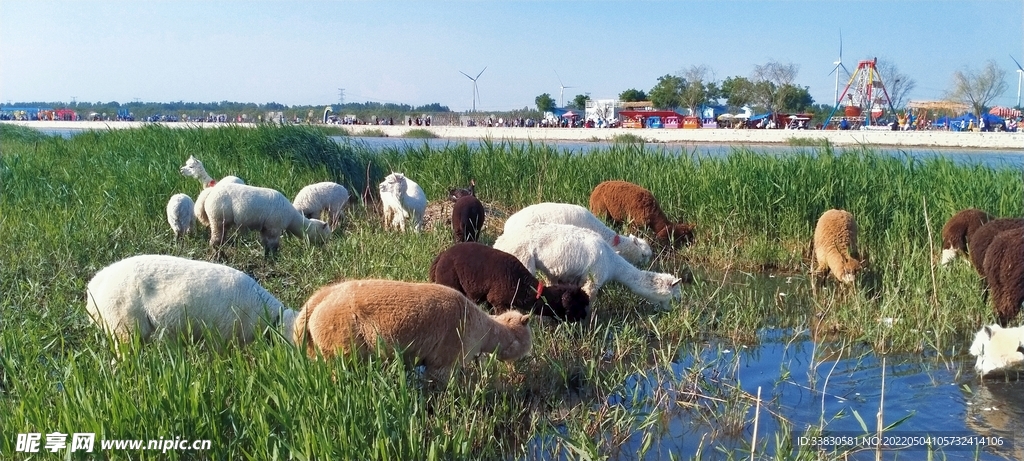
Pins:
x: 545, y: 103
x: 736, y: 91
x: 795, y: 99
x: 632, y: 95
x: 978, y: 88
x: 697, y: 90
x: 580, y: 101
x: 897, y: 84
x: 667, y: 93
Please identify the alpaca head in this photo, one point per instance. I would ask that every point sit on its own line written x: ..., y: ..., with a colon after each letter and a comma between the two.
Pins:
x: 666, y: 288
x: 948, y: 255
x: 566, y: 302
x: 193, y: 168
x: 394, y: 183
x: 677, y: 234
x: 633, y: 248
x: 317, y: 231
x: 997, y: 348
x: 455, y: 194
x: 851, y: 266
x: 520, y: 339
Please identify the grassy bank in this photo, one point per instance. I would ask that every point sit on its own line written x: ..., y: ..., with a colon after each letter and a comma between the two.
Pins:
x: 69, y: 207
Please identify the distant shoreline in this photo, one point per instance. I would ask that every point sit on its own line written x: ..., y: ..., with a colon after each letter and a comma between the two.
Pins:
x: 937, y: 139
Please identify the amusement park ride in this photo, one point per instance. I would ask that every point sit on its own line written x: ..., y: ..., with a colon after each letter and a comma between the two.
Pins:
x: 865, y: 98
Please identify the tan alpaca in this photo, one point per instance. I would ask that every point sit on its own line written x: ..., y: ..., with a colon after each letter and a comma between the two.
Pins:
x: 835, y: 245
x: 435, y: 325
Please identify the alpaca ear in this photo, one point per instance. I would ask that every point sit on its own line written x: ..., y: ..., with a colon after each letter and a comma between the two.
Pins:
x: 677, y: 281
x: 524, y: 319
x: 988, y: 330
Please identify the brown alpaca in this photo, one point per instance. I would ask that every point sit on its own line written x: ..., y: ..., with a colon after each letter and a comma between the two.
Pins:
x: 467, y: 219
x: 958, y: 230
x: 625, y: 202
x: 979, y: 241
x: 483, y: 274
x: 434, y: 325
x: 834, y: 246
x: 1004, y: 273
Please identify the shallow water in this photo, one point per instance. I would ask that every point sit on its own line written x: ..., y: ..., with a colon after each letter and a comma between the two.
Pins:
x: 809, y: 382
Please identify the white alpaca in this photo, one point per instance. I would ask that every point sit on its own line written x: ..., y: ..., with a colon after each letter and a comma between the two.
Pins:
x: 998, y: 349
x: 194, y: 168
x: 237, y: 206
x: 636, y: 250
x: 157, y: 296
x: 401, y: 198
x: 180, y: 214
x: 315, y: 199
x: 570, y: 254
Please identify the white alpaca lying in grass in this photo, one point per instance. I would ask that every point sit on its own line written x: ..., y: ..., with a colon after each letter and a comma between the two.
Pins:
x: 402, y: 197
x: 156, y: 296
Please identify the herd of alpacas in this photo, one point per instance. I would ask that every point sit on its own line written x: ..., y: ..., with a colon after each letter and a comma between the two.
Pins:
x: 440, y: 324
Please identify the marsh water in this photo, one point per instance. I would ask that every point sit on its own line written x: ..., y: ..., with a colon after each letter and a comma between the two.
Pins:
x: 703, y: 405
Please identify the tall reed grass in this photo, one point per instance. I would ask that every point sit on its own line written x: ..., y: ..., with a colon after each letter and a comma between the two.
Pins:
x: 69, y: 207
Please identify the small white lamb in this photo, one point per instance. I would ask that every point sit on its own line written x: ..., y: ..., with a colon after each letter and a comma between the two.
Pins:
x: 402, y: 197
x: 238, y: 206
x: 194, y: 168
x: 998, y: 350
x: 180, y: 214
x: 570, y: 254
x: 636, y: 250
x: 315, y: 199
x: 157, y: 296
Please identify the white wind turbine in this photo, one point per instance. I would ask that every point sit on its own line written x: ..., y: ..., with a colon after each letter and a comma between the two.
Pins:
x: 476, y: 92
x: 1020, y: 75
x: 561, y: 90
x: 838, y: 65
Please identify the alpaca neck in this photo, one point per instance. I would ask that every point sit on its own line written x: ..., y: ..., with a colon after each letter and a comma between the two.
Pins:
x: 659, y: 221
x: 204, y: 178
x: 639, y: 281
x: 299, y: 226
x: 288, y: 324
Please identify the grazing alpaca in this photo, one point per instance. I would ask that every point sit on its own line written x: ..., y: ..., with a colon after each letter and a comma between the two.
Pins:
x: 636, y: 250
x: 980, y: 240
x: 323, y: 197
x: 467, y: 219
x: 958, y: 231
x: 431, y: 323
x: 578, y: 256
x: 485, y: 274
x: 1004, y: 273
x: 623, y: 201
x: 180, y: 214
x: 997, y: 349
x: 236, y: 206
x: 156, y: 296
x: 834, y: 246
x: 401, y: 197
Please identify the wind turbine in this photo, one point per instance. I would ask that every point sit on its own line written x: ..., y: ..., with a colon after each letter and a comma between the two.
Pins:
x: 476, y: 92
x: 561, y: 90
x: 839, y: 64
x: 1020, y: 74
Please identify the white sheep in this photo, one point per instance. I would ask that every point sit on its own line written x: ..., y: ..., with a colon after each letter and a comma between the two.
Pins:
x: 636, y: 250
x: 242, y: 207
x: 158, y: 296
x: 180, y: 214
x: 570, y: 254
x: 194, y: 168
x: 998, y: 349
x: 402, y: 197
x: 315, y: 199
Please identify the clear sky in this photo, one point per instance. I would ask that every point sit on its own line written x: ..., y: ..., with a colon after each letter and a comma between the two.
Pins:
x: 300, y: 53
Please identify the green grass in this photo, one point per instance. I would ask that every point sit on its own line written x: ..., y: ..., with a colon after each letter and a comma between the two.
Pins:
x: 69, y: 207
x: 419, y: 133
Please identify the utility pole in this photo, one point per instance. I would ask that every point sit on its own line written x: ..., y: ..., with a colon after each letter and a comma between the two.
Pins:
x: 341, y: 96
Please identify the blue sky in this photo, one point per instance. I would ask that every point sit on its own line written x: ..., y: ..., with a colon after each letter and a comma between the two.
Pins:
x: 412, y: 52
